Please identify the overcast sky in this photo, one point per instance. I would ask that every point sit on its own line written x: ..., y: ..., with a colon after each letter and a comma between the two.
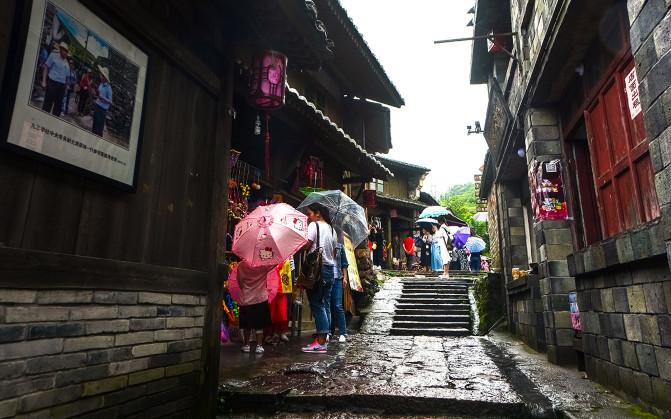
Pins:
x: 430, y: 130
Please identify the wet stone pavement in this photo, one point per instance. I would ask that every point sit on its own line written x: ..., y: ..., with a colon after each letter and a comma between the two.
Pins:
x: 381, y: 376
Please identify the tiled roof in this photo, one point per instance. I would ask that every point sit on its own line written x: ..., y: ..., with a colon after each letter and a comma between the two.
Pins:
x: 405, y: 202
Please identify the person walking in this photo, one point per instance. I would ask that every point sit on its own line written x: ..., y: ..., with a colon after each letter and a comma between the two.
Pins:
x: 339, y: 283
x: 85, y: 83
x: 425, y: 256
x: 70, y: 83
x: 444, y: 239
x: 54, y: 76
x: 409, y: 249
x: 321, y: 236
x: 436, y: 253
x: 103, y: 102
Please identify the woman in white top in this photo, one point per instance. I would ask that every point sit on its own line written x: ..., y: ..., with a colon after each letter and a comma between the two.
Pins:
x: 442, y: 236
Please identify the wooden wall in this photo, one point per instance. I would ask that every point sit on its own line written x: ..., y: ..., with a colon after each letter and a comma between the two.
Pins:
x: 164, y: 222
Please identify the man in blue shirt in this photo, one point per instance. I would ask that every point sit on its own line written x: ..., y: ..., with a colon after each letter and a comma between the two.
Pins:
x: 103, y: 101
x: 56, y: 70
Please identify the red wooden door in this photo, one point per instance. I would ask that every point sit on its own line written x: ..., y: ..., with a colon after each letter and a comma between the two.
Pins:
x: 621, y: 163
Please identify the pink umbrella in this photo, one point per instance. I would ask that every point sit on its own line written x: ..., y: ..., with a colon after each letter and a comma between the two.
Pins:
x: 272, y: 284
x: 270, y: 234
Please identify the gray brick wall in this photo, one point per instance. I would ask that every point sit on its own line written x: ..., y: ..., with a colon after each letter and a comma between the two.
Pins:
x: 626, y: 319
x: 65, y: 353
x: 528, y: 316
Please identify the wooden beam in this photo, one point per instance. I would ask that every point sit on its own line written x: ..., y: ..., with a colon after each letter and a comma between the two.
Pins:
x: 217, y: 268
x: 22, y: 268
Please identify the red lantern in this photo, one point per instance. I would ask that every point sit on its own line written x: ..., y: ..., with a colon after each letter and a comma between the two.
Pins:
x: 267, y: 80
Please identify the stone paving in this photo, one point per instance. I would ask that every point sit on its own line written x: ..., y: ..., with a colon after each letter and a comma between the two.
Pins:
x: 404, y: 375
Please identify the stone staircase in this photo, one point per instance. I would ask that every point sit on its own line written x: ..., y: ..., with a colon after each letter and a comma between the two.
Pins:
x: 432, y: 307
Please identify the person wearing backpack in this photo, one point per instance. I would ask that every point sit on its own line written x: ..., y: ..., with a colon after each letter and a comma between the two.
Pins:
x: 321, y: 238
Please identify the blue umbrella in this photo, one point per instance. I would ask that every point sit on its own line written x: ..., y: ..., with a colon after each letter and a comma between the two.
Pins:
x: 475, y: 244
x: 426, y: 221
x: 433, y: 212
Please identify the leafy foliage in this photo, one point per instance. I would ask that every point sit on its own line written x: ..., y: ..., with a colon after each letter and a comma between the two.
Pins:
x: 462, y: 201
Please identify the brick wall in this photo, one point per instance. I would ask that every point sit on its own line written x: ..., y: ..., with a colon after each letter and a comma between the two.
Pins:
x: 627, y: 330
x: 527, y: 313
x: 107, y: 353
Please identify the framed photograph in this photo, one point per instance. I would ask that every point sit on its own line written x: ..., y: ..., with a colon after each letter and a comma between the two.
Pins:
x: 80, y: 91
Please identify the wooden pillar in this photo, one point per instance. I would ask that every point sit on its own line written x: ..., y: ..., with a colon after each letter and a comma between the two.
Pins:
x: 217, y: 243
x: 391, y: 250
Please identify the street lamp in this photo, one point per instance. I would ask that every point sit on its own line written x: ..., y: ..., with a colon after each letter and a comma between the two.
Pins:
x: 477, y: 130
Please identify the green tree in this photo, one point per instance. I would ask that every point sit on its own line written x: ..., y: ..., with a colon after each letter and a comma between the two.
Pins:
x: 462, y: 201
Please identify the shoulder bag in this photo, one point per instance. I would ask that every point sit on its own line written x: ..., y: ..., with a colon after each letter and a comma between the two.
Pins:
x: 311, y: 267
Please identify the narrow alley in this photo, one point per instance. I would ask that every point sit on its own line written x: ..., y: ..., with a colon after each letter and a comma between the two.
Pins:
x: 430, y: 367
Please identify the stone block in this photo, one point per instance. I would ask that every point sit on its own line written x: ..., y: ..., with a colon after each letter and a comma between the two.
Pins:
x: 43, y: 399
x: 134, y: 338
x: 656, y: 81
x: 29, y: 349
x: 44, y: 364
x: 149, y: 349
x: 604, y: 324
x: 163, y: 360
x: 129, y: 393
x: 647, y: 359
x: 629, y: 355
x: 29, y: 315
x: 76, y: 376
x: 602, y: 345
x: 64, y: 297
x: 125, y: 367
x: 562, y: 320
x: 663, y: 186
x: 12, y: 333
x: 667, y: 293
x: 105, y: 386
x: 178, y: 322
x: 664, y: 323
x: 650, y: 14
x: 8, y: 408
x: 636, y: 299
x: 612, y: 374
x: 538, y: 116
x: 187, y: 345
x: 625, y: 250
x: 137, y: 311
x: 115, y: 297
x: 94, y: 313
x: 627, y: 381
x: 596, y: 300
x: 77, y: 408
x: 107, y: 326
x: 558, y: 236
x: 544, y: 133
x: 190, y: 355
x: 607, y: 301
x: 197, y: 332
x: 154, y: 298
x: 147, y: 324
x: 17, y: 296
x: 632, y: 327
x: 663, y: 356
x: 166, y: 335
x: 564, y: 337
x: 10, y: 370
x: 200, y: 321
x: 661, y: 390
x: 615, y: 351
x: 51, y: 330
x: 649, y: 329
x: 107, y: 355
x: 145, y: 376
x: 620, y: 302
x: 171, y: 311
x: 643, y: 386
x: 617, y: 329
x: 179, y: 369
x: 87, y: 342
x: 610, y: 252
x: 550, y: 338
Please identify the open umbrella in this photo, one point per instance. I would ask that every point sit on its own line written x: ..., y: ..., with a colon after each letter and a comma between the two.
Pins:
x: 433, y: 212
x: 270, y: 234
x: 346, y: 216
x: 475, y: 244
x: 461, y: 236
x: 272, y: 284
x: 426, y: 221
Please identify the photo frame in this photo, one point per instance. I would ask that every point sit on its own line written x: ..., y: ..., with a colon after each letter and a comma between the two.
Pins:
x: 77, y: 92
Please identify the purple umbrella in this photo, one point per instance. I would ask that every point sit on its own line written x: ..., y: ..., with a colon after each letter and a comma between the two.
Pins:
x: 461, y: 236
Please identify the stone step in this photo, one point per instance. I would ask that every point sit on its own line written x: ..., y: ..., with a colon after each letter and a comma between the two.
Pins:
x: 411, y: 300
x: 408, y: 285
x: 433, y: 295
x: 456, y: 331
x: 430, y: 325
x: 443, y: 318
x: 433, y: 306
x: 431, y: 311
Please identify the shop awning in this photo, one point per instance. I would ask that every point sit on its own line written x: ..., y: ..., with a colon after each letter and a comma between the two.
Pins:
x: 350, y: 153
x: 397, y: 202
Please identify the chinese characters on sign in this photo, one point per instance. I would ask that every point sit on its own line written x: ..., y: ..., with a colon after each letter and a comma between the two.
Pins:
x: 634, y: 100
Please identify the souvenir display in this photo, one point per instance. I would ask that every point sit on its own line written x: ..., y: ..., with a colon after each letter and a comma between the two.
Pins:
x: 548, y: 202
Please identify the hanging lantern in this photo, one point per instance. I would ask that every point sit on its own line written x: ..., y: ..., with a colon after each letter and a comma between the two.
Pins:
x: 267, y: 80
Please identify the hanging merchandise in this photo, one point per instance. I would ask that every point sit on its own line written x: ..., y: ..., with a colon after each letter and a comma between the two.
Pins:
x: 266, y: 147
x: 312, y: 172
x: 257, y: 125
x: 370, y: 198
x: 285, y: 276
x: 548, y: 202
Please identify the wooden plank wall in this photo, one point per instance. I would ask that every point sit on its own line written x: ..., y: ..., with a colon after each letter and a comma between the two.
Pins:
x: 163, y: 223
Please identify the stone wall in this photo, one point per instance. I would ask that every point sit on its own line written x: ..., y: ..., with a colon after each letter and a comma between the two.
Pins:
x: 627, y: 330
x: 493, y: 231
x: 527, y: 312
x: 108, y: 353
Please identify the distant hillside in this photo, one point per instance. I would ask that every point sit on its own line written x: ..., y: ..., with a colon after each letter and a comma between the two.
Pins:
x: 462, y: 201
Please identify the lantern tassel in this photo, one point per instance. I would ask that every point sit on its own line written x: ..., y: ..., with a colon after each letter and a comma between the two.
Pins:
x: 266, y: 154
